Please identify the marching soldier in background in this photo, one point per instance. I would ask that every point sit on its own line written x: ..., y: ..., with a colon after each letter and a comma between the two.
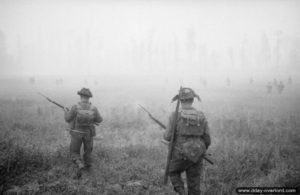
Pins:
x: 280, y: 87
x: 193, y: 138
x: 83, y: 116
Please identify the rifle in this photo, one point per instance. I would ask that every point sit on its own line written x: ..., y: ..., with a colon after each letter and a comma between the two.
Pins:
x: 171, y: 145
x: 153, y: 118
x: 177, y: 148
x: 57, y: 104
x: 62, y: 107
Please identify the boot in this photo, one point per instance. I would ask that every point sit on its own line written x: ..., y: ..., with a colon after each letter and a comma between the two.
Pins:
x: 88, y: 167
x: 80, y: 167
x: 180, y: 191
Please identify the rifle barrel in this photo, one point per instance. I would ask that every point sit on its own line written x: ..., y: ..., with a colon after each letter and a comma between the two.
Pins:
x: 144, y: 109
x: 57, y: 104
x: 153, y: 118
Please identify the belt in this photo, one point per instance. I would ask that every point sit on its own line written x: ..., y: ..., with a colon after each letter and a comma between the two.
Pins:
x: 73, y: 130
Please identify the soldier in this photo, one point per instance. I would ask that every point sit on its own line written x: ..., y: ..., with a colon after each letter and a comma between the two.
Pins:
x: 32, y: 80
x: 280, y: 87
x: 191, y: 135
x: 269, y: 88
x: 83, y: 116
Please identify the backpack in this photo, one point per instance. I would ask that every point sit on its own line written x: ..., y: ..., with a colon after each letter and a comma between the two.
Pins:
x: 190, y: 129
x: 85, y: 115
x: 193, y: 149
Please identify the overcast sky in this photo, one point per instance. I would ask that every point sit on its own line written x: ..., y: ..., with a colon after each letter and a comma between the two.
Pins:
x: 89, y: 37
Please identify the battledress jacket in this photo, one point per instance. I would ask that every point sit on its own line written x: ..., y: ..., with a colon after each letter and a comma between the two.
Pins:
x: 206, y: 136
x: 71, y: 115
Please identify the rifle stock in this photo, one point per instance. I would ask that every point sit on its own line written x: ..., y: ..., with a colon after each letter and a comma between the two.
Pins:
x: 171, y: 146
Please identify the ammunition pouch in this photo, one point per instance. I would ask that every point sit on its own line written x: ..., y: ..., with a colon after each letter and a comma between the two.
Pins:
x: 71, y: 124
x: 93, y: 131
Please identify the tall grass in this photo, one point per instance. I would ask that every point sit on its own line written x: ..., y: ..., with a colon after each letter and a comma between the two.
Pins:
x: 253, y: 144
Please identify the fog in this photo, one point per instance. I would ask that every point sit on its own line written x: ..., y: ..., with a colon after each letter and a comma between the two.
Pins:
x: 94, y: 38
x: 242, y: 57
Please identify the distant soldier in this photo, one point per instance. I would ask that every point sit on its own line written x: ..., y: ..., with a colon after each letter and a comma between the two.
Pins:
x: 32, y: 80
x: 280, y: 87
x: 290, y: 81
x: 83, y: 116
x: 59, y: 81
x: 192, y: 137
x: 269, y: 88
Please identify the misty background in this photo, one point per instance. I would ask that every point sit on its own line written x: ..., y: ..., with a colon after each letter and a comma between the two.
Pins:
x: 71, y: 38
x: 242, y: 57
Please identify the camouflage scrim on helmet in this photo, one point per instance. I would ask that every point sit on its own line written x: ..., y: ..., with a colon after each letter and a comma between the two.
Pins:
x: 85, y: 92
x: 186, y: 93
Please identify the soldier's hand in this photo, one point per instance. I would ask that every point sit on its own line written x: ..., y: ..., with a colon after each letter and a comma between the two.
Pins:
x: 66, y: 109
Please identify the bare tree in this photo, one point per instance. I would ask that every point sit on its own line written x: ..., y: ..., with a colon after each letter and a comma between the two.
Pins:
x: 265, y: 51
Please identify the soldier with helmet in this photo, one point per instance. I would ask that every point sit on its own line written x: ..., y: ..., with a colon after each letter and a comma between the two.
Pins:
x: 193, y: 138
x: 83, y: 116
x: 280, y: 87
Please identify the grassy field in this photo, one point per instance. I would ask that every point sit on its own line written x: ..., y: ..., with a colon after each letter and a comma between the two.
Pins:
x: 255, y: 141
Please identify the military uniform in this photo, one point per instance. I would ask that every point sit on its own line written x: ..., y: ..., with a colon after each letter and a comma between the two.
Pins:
x: 191, y: 130
x: 83, y: 116
x: 280, y: 87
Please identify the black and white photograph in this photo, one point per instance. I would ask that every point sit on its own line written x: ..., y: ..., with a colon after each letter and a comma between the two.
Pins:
x: 149, y: 97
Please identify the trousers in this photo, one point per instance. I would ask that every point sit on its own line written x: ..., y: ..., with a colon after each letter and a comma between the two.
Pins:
x: 77, y: 140
x: 178, y: 165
